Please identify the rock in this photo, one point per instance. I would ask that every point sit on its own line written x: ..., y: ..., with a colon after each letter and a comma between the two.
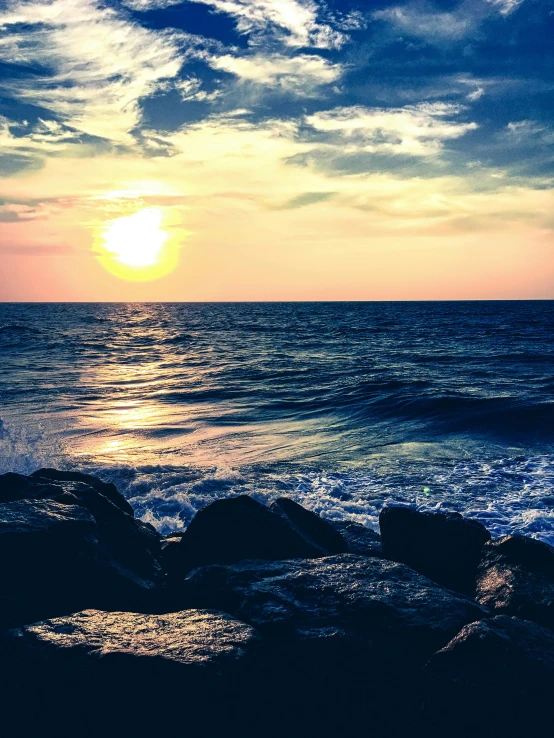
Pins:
x: 48, y: 555
x: 348, y: 634
x: 338, y: 596
x: 51, y: 562
x: 106, y: 489
x: 496, y: 677
x: 516, y: 577
x: 46, y: 482
x: 237, y: 528
x: 14, y: 487
x: 133, y: 544
x: 171, y: 556
x: 311, y: 527
x: 122, y: 673
x: 359, y: 539
x: 443, y: 546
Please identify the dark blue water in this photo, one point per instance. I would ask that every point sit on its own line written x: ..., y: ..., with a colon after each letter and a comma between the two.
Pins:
x: 343, y: 406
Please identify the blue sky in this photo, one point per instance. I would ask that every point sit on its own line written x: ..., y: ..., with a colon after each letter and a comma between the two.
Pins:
x: 401, y: 120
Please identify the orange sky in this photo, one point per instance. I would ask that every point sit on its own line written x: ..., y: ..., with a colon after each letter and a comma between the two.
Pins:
x: 293, y: 182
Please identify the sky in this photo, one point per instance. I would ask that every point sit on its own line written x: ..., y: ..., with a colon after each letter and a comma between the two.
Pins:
x: 276, y: 150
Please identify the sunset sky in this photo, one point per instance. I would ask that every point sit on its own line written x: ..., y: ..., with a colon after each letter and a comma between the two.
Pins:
x: 276, y: 149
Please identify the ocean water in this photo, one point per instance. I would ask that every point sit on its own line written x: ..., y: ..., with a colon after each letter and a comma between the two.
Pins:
x: 342, y: 406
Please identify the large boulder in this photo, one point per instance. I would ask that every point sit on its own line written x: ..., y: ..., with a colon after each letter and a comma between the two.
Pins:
x: 51, y: 562
x: 348, y: 635
x: 133, y: 544
x: 48, y: 558
x: 46, y: 482
x: 516, y: 577
x: 310, y: 526
x: 445, y: 547
x: 496, y: 677
x: 98, y: 673
x: 238, y: 528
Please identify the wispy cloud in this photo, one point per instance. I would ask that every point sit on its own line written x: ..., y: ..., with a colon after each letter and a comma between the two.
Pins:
x: 95, y: 64
x: 506, y: 7
x: 422, y: 19
x: 415, y: 130
x: 525, y: 131
x: 300, y: 74
x: 296, y: 23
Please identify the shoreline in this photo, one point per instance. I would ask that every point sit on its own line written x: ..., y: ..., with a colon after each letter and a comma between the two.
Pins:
x: 271, y: 618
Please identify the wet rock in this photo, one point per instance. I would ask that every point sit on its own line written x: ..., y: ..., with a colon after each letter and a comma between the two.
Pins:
x: 106, y: 489
x: 348, y: 634
x: 496, y: 677
x: 445, y: 547
x: 52, y: 562
x: 336, y: 597
x: 310, y: 526
x: 359, y: 539
x: 133, y: 544
x: 48, y: 555
x: 122, y: 673
x: 516, y: 577
x: 237, y: 528
x: 14, y: 487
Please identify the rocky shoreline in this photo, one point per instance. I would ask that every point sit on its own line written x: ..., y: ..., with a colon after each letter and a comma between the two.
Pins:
x: 265, y: 621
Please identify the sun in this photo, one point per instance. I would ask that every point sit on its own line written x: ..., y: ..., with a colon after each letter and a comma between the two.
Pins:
x: 136, y: 240
x: 137, y: 247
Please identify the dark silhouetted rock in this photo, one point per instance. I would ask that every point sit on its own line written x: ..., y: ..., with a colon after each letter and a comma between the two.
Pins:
x: 51, y: 562
x: 106, y: 489
x: 237, y: 528
x: 15, y: 487
x: 133, y: 544
x: 496, y: 677
x: 171, y: 556
x: 348, y: 635
x: 48, y: 558
x: 443, y: 546
x: 99, y: 673
x: 310, y: 526
x: 516, y: 577
x: 359, y: 539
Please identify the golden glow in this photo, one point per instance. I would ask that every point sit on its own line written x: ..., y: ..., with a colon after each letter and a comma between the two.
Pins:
x: 138, y: 247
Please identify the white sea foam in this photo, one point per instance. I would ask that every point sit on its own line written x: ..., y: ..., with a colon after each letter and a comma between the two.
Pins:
x: 506, y: 495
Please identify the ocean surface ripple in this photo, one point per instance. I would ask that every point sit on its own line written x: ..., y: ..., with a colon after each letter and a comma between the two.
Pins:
x: 342, y: 406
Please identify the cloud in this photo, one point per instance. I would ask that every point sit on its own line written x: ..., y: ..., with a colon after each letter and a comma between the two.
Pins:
x: 305, y: 199
x: 95, y: 64
x: 421, y: 19
x: 146, y: 5
x: 295, y: 22
x: 299, y: 74
x: 191, y: 89
x: 506, y: 7
x: 25, y: 145
x: 477, y: 94
x: 527, y: 131
x: 38, y: 250
x: 414, y: 130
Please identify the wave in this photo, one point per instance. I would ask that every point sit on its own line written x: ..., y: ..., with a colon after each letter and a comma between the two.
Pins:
x: 12, y: 328
x: 507, y: 494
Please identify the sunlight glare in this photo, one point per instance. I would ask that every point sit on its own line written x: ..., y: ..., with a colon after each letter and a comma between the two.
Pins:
x: 136, y: 240
x: 141, y: 246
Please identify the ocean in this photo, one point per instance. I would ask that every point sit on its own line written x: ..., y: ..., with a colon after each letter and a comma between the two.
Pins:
x: 344, y: 407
